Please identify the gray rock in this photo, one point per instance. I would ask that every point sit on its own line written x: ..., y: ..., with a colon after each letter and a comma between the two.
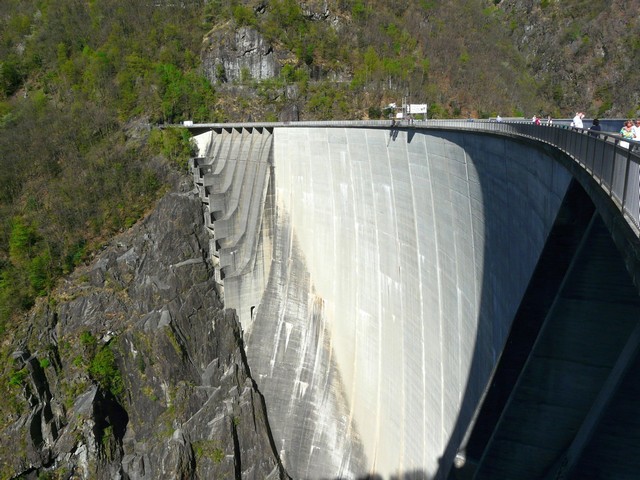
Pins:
x: 146, y: 312
x: 227, y: 56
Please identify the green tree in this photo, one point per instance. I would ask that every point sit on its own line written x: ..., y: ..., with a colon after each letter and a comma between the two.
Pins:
x: 22, y: 241
x: 184, y: 95
x: 243, y: 15
x: 175, y: 144
x: 42, y: 273
x: 10, y: 77
x: 104, y: 370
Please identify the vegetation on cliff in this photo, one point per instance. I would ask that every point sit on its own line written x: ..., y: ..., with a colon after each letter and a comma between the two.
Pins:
x: 347, y: 59
x: 79, y: 84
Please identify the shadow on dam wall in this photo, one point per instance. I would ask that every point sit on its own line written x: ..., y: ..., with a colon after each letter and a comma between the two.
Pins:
x: 568, y: 231
x: 533, y: 191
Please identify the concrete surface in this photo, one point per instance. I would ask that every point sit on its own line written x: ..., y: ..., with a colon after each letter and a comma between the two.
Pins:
x: 399, y: 261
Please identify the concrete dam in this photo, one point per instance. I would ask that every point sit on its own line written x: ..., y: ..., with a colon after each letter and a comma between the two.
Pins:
x: 382, y: 277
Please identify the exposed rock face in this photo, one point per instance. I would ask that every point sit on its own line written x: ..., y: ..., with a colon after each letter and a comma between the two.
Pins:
x: 137, y: 373
x: 315, y: 9
x: 231, y: 55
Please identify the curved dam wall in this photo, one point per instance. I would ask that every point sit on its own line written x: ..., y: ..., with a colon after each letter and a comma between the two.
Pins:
x: 398, y: 260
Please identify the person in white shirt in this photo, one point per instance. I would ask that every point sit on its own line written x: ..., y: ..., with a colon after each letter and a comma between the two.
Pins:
x: 636, y: 130
x: 577, y: 120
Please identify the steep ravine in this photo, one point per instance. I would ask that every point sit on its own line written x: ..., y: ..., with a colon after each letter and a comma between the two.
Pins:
x: 133, y: 371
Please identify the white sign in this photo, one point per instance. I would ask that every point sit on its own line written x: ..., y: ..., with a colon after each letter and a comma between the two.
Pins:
x: 418, y: 108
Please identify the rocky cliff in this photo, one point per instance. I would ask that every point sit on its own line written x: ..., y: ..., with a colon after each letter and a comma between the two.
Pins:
x: 134, y: 371
x: 232, y: 55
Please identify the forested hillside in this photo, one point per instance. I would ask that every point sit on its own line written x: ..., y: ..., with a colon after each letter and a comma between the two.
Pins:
x: 348, y: 59
x: 79, y: 84
x: 582, y: 55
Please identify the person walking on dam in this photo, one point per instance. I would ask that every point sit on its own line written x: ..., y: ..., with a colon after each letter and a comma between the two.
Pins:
x: 626, y: 131
x: 577, y: 120
x: 596, y: 128
x: 635, y: 128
